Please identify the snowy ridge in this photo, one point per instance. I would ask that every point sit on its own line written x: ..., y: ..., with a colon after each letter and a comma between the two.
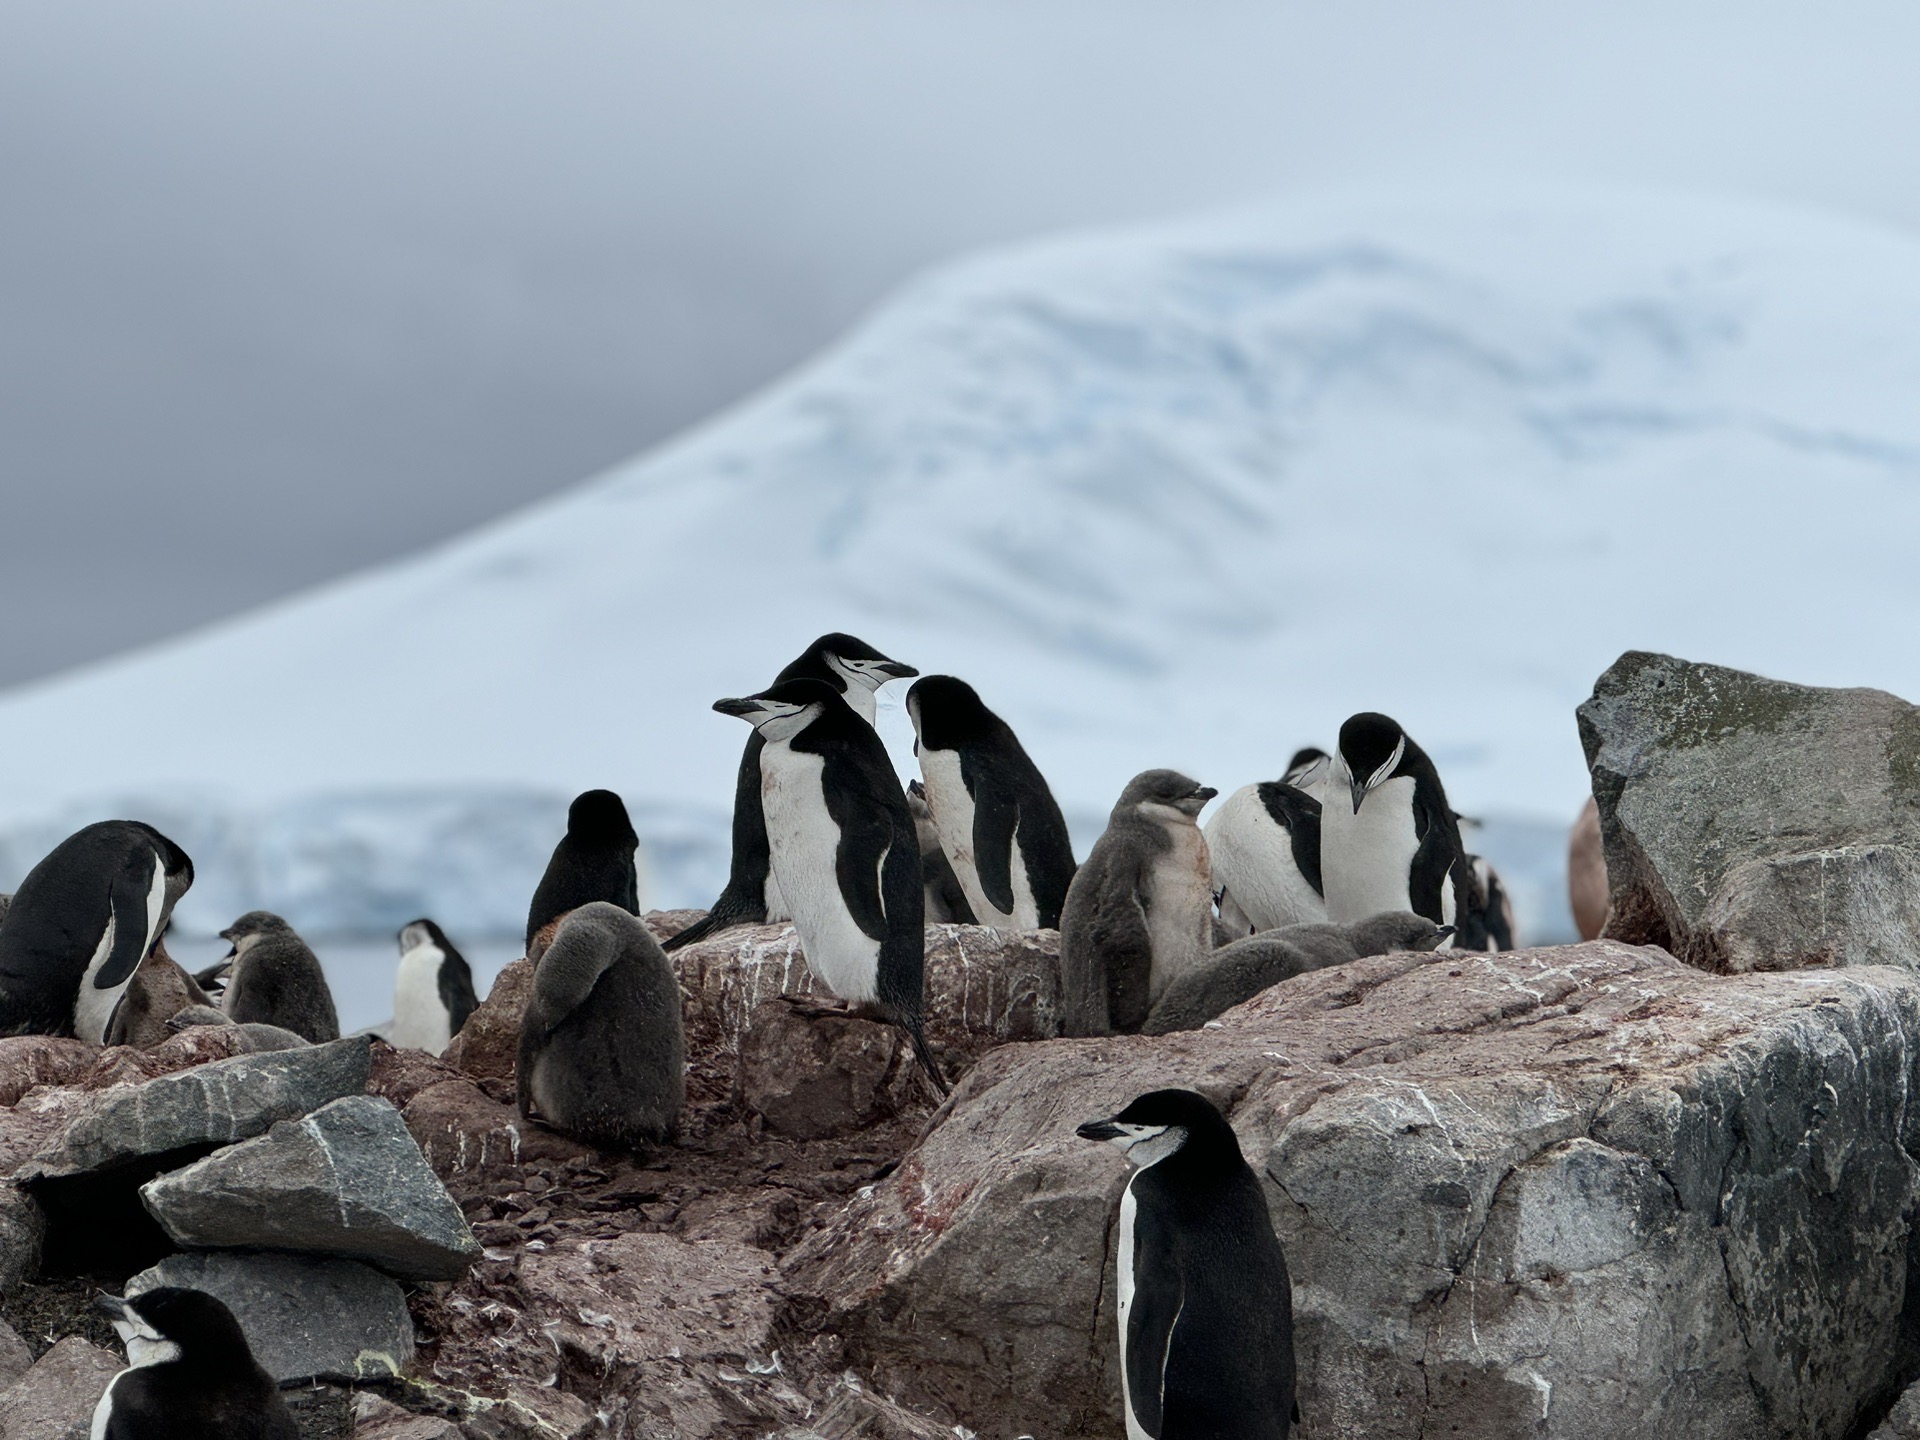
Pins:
x: 1186, y: 495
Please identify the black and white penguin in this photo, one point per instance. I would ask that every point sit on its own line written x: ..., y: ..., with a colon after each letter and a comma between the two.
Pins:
x: 1264, y: 842
x: 1140, y: 910
x: 603, y: 1050
x: 190, y: 1374
x: 81, y: 922
x: 593, y: 861
x: 843, y: 850
x: 1486, y: 921
x: 1388, y: 838
x: 273, y: 978
x: 998, y: 821
x: 752, y: 894
x: 946, y: 901
x: 432, y: 992
x: 1205, y: 1304
x: 1308, y: 771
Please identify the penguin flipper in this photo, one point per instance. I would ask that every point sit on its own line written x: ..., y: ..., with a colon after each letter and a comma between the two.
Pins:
x: 857, y: 861
x: 995, y: 813
x: 1157, y: 1294
x: 133, y: 922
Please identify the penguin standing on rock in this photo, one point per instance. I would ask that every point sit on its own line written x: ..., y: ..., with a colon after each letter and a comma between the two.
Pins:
x: 1205, y: 1303
x: 593, y: 861
x: 752, y: 895
x: 81, y: 922
x: 1388, y: 838
x: 274, y: 979
x: 1140, y: 911
x: 1264, y: 842
x: 433, y: 991
x: 843, y: 850
x: 998, y: 822
x: 190, y: 1374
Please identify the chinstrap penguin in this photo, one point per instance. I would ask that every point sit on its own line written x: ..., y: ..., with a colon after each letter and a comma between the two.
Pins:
x: 603, y: 1050
x: 1205, y: 1304
x: 843, y: 850
x: 946, y: 901
x: 593, y: 861
x: 274, y: 979
x: 1264, y: 842
x: 1140, y: 910
x: 1388, y: 838
x: 1236, y: 973
x: 432, y: 990
x: 1486, y: 919
x: 752, y: 893
x: 81, y: 922
x: 1308, y: 770
x: 998, y: 821
x: 190, y: 1374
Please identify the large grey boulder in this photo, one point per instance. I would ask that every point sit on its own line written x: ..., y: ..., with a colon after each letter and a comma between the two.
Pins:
x: 1751, y: 824
x: 305, y: 1317
x: 1903, y: 1421
x: 54, y: 1400
x: 1522, y: 1194
x: 210, y: 1105
x: 347, y: 1180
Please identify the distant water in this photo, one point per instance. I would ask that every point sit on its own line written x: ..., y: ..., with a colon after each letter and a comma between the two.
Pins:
x: 360, y: 968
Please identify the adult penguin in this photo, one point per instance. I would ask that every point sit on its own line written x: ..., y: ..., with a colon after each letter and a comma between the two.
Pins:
x: 752, y: 895
x: 1205, y: 1304
x: 1388, y: 838
x: 998, y: 822
x: 432, y: 990
x: 81, y: 922
x: 843, y: 850
x: 1264, y: 842
x: 593, y: 861
x: 190, y: 1374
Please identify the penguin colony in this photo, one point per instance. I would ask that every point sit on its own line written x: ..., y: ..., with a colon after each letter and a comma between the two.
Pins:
x: 1166, y: 926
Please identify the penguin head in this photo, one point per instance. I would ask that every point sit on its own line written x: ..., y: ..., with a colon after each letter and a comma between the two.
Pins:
x: 843, y: 661
x: 1155, y: 792
x: 1307, y: 767
x: 1393, y: 930
x: 250, y: 929
x: 1162, y: 1123
x: 782, y: 711
x: 1371, y: 749
x: 170, y: 1323
x: 947, y: 713
x: 423, y: 931
x: 599, y: 817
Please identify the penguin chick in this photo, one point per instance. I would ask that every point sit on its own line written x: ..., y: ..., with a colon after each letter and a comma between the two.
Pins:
x: 276, y: 980
x: 752, y: 894
x: 997, y: 820
x: 1204, y: 1303
x: 1388, y: 838
x: 946, y: 901
x: 432, y: 991
x: 593, y: 861
x: 190, y: 1374
x: 1264, y: 844
x: 81, y: 922
x: 1140, y: 911
x: 603, y: 1052
x: 1236, y: 973
x: 160, y: 989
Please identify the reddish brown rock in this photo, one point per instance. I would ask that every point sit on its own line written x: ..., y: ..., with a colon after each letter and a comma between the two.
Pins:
x: 54, y: 1400
x: 813, y: 1075
x: 30, y: 1061
x: 399, y: 1075
x: 470, y: 1139
x: 378, y: 1419
x: 487, y: 1044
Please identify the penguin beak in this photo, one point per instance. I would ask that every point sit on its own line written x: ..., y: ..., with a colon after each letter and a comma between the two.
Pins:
x: 894, y: 670
x: 1359, y: 792
x: 1205, y: 793
x: 1442, y: 932
x: 1098, y: 1130
x: 745, y: 708
x: 111, y: 1306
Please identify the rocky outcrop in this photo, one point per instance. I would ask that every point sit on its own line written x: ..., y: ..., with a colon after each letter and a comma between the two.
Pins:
x: 470, y: 1138
x: 378, y: 1419
x: 16, y: 1356
x: 347, y: 1181
x: 1750, y: 824
x: 1520, y: 1194
x: 811, y: 1076
x: 488, y: 1043
x: 1903, y: 1421
x: 23, y: 1228
x: 54, y: 1400
x: 305, y: 1317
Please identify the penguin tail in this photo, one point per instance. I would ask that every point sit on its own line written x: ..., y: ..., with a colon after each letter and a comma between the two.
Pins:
x: 924, y: 1055
x: 729, y: 910
x: 699, y: 930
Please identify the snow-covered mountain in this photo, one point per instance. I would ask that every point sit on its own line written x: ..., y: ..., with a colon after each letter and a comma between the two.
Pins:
x: 1184, y: 495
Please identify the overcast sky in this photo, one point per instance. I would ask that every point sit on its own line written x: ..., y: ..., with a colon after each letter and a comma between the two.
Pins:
x: 287, y: 289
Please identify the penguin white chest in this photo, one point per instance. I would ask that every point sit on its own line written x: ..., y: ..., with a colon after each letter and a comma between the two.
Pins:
x: 1366, y: 859
x: 1253, y: 862
x: 1129, y: 1219
x: 953, y: 810
x: 93, y: 1007
x: 804, y: 844
x: 1179, y: 905
x: 420, y: 1019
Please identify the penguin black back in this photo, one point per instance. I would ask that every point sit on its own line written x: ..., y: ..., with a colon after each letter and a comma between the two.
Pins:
x: 190, y: 1374
x: 1297, y: 811
x: 593, y: 861
x: 1205, y: 1303
x: 856, y: 670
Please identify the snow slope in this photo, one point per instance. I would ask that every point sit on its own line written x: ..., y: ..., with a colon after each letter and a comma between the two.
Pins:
x: 1184, y: 495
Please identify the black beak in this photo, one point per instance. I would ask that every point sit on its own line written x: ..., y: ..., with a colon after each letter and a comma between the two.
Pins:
x: 744, y: 708
x: 1205, y: 793
x: 112, y: 1306
x: 1359, y: 793
x: 1098, y: 1130
x: 894, y: 670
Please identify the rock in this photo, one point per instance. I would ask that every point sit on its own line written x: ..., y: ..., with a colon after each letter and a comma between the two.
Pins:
x: 30, y: 1061
x: 813, y: 1076
x: 1527, y: 1193
x: 16, y: 1356
x: 23, y: 1228
x: 1587, y: 873
x: 399, y: 1075
x: 489, y: 1042
x: 1903, y: 1421
x: 468, y: 1136
x: 54, y: 1400
x: 214, y: 1104
x: 378, y: 1419
x: 305, y: 1318
x: 1750, y: 824
x: 665, y: 924
x: 347, y: 1180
